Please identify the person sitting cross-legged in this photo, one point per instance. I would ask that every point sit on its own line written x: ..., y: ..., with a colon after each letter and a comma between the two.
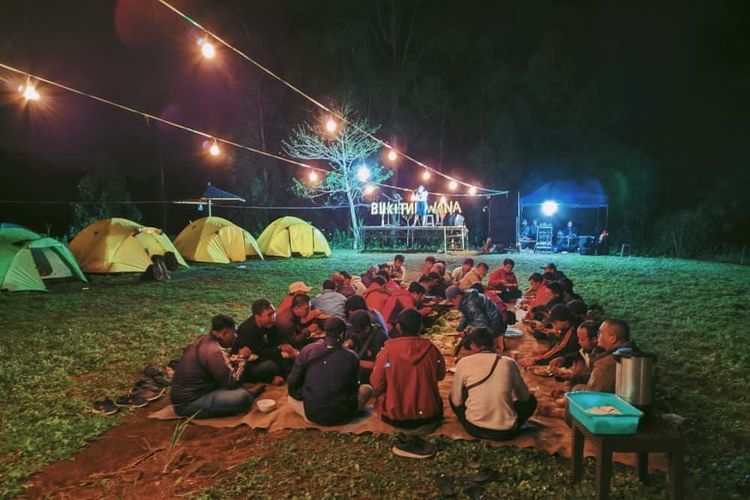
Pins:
x: 405, y: 379
x: 207, y: 380
x: 324, y: 384
x: 330, y: 301
x: 474, y: 276
x: 458, y: 274
x: 504, y: 280
x: 483, y: 389
x: 299, y: 324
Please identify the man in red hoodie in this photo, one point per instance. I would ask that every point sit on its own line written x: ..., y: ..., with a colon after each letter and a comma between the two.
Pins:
x: 376, y: 295
x: 405, y: 378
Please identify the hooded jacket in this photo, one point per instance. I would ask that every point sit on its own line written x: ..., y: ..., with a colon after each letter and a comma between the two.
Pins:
x: 376, y: 296
x: 477, y: 310
x: 406, y: 376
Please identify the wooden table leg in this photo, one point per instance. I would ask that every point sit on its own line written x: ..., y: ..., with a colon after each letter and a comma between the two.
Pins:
x: 676, y: 474
x: 643, y: 467
x: 576, y: 463
x: 603, y: 469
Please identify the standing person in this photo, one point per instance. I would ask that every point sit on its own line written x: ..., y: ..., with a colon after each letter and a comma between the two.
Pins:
x: 330, y: 301
x: 483, y: 388
x: 398, y: 271
x: 478, y: 311
x: 421, y: 196
x: 324, y: 384
x: 405, y: 379
x: 258, y: 335
x: 458, y: 274
x: 504, y: 280
x: 207, y: 381
x: 474, y: 276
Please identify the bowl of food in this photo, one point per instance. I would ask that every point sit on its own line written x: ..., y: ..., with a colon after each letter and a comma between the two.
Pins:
x: 266, y: 405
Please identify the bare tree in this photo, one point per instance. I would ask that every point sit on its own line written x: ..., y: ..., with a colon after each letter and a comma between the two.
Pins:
x: 347, y: 151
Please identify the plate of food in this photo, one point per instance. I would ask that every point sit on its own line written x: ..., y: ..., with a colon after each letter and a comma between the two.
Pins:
x: 512, y: 333
x: 543, y: 371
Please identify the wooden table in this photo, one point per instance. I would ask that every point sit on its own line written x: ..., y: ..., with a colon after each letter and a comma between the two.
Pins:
x: 652, y: 437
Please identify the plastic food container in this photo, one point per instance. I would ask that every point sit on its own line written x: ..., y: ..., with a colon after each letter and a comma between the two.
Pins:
x: 582, y: 401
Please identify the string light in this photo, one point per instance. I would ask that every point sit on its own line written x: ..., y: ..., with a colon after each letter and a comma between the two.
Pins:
x: 207, y: 48
x: 215, y: 150
x: 363, y: 173
x: 331, y: 125
x: 453, y: 185
x: 313, y: 176
x: 392, y: 155
x: 29, y: 92
x: 472, y: 191
x: 426, y: 175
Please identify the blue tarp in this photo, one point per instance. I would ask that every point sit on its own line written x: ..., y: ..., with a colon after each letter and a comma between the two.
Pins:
x: 214, y: 193
x: 573, y: 194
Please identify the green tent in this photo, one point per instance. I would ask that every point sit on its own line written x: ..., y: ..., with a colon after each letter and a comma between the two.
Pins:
x: 27, y: 258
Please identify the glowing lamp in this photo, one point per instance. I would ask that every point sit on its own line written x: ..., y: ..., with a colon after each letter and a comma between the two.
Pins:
x: 453, y: 185
x: 392, y: 155
x: 549, y: 208
x: 473, y: 191
x: 29, y: 92
x: 313, y: 176
x: 426, y: 175
x: 331, y: 125
x: 207, y: 48
x: 363, y: 173
x: 214, y: 150
x: 369, y: 189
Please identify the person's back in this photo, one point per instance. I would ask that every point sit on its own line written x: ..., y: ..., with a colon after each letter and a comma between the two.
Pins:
x: 330, y: 301
x: 193, y: 375
x: 479, y: 311
x: 376, y: 296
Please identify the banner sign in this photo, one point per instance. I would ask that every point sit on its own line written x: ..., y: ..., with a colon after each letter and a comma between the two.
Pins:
x: 440, y: 208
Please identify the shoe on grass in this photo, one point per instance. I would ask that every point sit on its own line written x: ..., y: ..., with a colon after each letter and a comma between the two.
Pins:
x: 105, y: 407
x: 131, y: 401
x: 413, y: 447
x: 148, y: 393
x: 161, y: 381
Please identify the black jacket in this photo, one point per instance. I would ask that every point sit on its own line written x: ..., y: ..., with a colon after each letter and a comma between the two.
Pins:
x: 479, y: 311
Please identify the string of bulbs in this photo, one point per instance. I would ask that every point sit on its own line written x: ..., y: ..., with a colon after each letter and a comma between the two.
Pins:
x: 209, y: 51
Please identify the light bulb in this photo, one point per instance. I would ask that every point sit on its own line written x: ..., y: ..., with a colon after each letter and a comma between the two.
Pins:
x: 331, y: 125
x: 214, y: 150
x: 392, y: 155
x: 453, y: 185
x: 426, y: 175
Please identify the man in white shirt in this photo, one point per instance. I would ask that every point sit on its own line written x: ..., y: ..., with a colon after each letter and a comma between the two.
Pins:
x: 483, y: 388
x: 458, y: 273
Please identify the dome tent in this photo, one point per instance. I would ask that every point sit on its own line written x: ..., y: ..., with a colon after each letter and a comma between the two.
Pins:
x: 27, y: 259
x: 288, y: 236
x: 120, y: 246
x: 216, y: 240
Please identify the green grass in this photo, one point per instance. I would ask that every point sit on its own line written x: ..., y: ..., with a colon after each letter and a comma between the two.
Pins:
x: 61, y: 350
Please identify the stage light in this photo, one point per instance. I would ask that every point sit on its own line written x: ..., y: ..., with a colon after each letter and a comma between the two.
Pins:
x: 29, y: 92
x: 313, y: 176
x: 214, y: 150
x: 363, y: 173
x: 549, y: 208
x: 369, y: 189
x: 426, y: 175
x: 392, y: 155
x: 331, y: 125
x: 207, y: 48
x: 453, y: 185
x: 472, y: 191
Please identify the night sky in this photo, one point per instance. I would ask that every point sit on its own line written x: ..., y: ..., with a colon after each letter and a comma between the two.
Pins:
x: 649, y: 97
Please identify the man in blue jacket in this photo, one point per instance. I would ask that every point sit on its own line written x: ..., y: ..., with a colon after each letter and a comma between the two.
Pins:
x: 477, y: 311
x: 324, y: 384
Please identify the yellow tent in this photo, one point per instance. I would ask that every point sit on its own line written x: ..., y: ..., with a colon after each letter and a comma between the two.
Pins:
x: 120, y: 246
x: 213, y: 239
x: 289, y: 236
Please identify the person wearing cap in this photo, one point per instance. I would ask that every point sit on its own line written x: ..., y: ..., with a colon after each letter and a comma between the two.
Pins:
x: 484, y: 386
x: 565, y: 324
x: 458, y: 274
x: 330, y: 301
x: 405, y: 380
x: 294, y: 289
x: 504, y: 280
x: 477, y: 311
x: 324, y: 383
x: 551, y: 272
x: 366, y: 338
x: 474, y: 276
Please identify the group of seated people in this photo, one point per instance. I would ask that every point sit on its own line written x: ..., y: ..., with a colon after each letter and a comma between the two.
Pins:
x: 361, y: 337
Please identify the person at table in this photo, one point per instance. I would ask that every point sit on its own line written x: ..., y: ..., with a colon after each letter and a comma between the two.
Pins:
x: 551, y: 272
x: 458, y: 274
x: 207, y: 381
x: 537, y: 294
x: 258, y: 335
x: 580, y: 361
x: 324, y: 383
x: 300, y: 324
x: 330, y: 301
x: 474, y: 276
x: 405, y: 380
x: 398, y: 271
x: 366, y: 338
x: 504, y: 280
x: 565, y: 340
x: 484, y: 386
x: 614, y: 334
x: 294, y: 289
x: 357, y: 303
x: 477, y: 311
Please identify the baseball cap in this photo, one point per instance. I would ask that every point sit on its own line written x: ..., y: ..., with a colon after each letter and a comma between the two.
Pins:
x: 299, y: 286
x: 452, y: 291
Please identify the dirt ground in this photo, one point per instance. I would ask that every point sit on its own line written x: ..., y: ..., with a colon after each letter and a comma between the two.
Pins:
x: 128, y: 460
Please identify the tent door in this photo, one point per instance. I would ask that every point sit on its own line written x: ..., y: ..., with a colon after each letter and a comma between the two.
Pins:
x: 49, y: 264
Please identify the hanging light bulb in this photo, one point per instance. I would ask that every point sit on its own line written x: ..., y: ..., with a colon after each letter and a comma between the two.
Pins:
x: 29, y: 92
x: 392, y: 155
x: 473, y: 191
x: 214, y: 150
x: 207, y: 48
x: 426, y: 175
x: 453, y: 185
x: 363, y: 173
x: 369, y: 189
x: 313, y: 176
x: 331, y: 125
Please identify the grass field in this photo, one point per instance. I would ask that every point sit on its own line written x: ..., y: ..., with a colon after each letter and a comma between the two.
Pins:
x: 61, y: 350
